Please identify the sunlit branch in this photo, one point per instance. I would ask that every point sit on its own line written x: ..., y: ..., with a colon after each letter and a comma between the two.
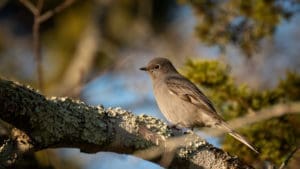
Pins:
x: 264, y: 114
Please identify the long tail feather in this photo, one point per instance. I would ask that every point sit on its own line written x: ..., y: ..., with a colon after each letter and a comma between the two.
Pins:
x: 238, y: 137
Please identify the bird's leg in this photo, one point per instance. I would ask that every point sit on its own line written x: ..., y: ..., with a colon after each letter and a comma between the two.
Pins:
x: 178, y: 127
x: 175, y: 126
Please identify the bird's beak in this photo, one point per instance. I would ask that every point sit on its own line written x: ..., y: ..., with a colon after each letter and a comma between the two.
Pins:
x: 144, y: 68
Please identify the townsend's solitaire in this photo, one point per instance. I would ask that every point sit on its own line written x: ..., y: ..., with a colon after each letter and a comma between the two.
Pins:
x: 181, y: 102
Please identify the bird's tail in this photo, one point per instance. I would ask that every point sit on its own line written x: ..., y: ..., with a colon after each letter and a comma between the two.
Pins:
x: 238, y: 136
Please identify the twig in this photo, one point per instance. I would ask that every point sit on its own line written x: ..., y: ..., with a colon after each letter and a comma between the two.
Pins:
x: 39, y: 18
x: 39, y: 5
x: 37, y: 50
x: 29, y: 5
x: 285, y: 162
x: 56, y: 10
x: 264, y: 114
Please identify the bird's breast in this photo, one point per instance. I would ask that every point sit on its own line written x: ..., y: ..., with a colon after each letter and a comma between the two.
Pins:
x: 176, y: 110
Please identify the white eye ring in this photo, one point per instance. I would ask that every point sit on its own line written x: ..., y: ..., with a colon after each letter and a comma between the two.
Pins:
x: 157, y: 66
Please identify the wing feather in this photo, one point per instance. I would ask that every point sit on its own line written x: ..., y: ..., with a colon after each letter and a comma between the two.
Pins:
x: 187, y: 91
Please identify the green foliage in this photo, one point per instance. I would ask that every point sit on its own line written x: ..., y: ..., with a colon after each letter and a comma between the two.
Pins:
x: 275, y: 137
x: 212, y: 72
x: 291, y: 86
x: 240, y: 22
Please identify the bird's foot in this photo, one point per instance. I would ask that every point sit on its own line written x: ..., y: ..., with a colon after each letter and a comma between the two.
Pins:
x: 183, y: 130
x: 174, y: 127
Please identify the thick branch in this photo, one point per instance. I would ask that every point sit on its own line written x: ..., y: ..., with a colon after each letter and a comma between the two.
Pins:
x: 62, y: 122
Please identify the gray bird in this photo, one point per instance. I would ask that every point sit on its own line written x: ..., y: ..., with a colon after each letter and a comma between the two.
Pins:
x: 181, y: 102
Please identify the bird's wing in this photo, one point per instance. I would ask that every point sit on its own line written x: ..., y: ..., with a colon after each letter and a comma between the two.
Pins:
x: 187, y: 91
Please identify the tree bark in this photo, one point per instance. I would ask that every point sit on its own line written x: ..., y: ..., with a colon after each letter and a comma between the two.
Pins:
x: 42, y: 123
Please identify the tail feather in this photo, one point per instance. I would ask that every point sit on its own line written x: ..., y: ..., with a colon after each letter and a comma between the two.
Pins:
x: 238, y: 137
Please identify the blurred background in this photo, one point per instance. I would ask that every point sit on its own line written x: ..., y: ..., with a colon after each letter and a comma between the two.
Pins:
x: 243, y: 54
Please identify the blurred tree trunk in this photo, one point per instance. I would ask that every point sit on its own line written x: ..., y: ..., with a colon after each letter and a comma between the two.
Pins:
x: 42, y: 123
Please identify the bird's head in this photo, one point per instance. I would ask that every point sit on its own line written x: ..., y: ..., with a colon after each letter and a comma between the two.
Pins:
x: 159, y: 67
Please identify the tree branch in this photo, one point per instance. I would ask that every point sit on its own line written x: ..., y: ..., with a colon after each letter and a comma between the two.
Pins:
x: 37, y: 51
x: 287, y: 159
x: 38, y: 19
x: 56, y: 10
x: 62, y: 122
x: 30, y: 6
x: 264, y: 114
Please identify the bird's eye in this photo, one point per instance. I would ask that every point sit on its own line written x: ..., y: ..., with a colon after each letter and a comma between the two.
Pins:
x: 157, y: 67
